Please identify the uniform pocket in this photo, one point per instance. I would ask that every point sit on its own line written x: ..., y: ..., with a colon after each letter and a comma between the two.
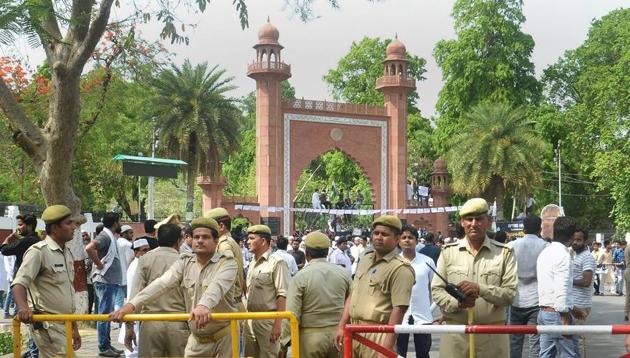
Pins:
x: 188, y: 286
x: 263, y: 279
x: 492, y: 277
x: 60, y: 274
x: 456, y: 274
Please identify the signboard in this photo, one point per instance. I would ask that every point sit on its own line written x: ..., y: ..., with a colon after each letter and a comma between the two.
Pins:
x: 149, y: 170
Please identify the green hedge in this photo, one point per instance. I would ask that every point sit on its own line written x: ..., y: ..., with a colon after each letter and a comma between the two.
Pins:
x: 6, y: 343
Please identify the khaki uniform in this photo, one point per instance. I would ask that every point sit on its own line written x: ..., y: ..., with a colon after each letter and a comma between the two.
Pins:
x: 494, y: 269
x: 212, y: 286
x: 378, y: 287
x: 267, y: 279
x: 48, y: 273
x: 626, y: 274
x: 318, y: 306
x: 160, y: 339
x: 227, y: 243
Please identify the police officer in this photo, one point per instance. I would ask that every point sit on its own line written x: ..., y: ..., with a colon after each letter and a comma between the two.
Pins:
x: 485, y: 271
x: 46, y: 280
x: 159, y: 338
x: 318, y: 306
x: 267, y: 284
x: 207, y: 280
x: 226, y: 242
x: 381, y: 288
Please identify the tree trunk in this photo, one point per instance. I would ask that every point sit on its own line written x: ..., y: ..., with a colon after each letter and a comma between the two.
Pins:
x: 495, y: 191
x: 191, y: 175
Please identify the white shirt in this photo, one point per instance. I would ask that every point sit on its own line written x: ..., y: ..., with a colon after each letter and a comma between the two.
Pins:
x: 340, y: 258
x: 9, y: 265
x: 420, y: 302
x: 131, y: 273
x: 125, y: 252
x: 315, y: 200
x: 526, y: 251
x: 555, y: 279
x: 293, y: 268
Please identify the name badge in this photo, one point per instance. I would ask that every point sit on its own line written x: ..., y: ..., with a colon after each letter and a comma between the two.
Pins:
x: 58, y: 265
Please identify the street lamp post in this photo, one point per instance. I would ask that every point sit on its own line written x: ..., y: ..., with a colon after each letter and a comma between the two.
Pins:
x: 559, y: 173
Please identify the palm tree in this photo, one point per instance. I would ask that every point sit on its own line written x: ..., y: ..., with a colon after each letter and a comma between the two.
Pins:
x: 198, y: 123
x: 497, y: 148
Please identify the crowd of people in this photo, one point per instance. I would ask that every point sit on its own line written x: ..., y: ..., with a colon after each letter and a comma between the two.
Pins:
x: 392, y: 273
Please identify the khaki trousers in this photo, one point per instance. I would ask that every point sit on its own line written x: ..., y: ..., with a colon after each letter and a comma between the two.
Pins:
x: 257, y: 339
x: 221, y: 348
x: 50, y: 341
x: 486, y: 345
x: 318, y: 342
x: 582, y: 339
x: 626, y: 275
x: 162, y: 339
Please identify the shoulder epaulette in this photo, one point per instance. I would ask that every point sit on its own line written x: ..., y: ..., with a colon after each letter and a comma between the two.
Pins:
x: 451, y: 244
x: 186, y: 255
x: 499, y: 244
x: 227, y: 254
x: 40, y: 244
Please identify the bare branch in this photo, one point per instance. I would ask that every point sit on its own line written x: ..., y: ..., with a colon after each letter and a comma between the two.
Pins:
x: 101, y: 104
x: 79, y: 20
x: 28, y: 136
x: 85, y: 47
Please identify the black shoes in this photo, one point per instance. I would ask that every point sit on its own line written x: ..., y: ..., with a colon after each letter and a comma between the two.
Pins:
x: 109, y: 353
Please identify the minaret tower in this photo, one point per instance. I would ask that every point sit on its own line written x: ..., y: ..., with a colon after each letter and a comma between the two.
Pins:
x: 396, y: 86
x: 440, y: 192
x: 269, y: 71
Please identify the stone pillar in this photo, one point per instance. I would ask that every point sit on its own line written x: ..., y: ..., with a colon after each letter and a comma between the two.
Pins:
x: 212, y: 192
x: 396, y: 86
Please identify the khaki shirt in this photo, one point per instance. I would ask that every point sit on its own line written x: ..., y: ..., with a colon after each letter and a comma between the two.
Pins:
x: 267, y: 279
x: 493, y: 268
x: 150, y: 267
x: 47, y: 271
x: 227, y: 243
x: 314, y: 303
x: 210, y: 286
x: 379, y: 286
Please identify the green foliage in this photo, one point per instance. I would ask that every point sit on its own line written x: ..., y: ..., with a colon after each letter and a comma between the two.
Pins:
x: 198, y: 122
x: 420, y: 151
x: 354, y: 78
x: 589, y: 87
x: 240, y: 167
x: 6, y: 343
x: 497, y: 149
x: 489, y: 60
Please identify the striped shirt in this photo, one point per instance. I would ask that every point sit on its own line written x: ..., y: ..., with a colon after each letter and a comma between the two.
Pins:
x: 583, y: 296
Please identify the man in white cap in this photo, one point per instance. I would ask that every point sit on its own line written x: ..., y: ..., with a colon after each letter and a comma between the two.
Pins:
x: 126, y: 256
x: 140, y: 247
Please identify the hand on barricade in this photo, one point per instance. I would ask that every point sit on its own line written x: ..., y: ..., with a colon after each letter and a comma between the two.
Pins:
x: 25, y: 315
x: 118, y: 316
x: 201, y: 315
x: 439, y: 320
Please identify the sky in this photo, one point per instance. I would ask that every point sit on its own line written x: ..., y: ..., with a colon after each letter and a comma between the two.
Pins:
x: 314, y: 47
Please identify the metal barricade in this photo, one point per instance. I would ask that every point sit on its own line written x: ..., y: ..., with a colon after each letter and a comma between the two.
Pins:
x: 169, y: 317
x: 351, y: 332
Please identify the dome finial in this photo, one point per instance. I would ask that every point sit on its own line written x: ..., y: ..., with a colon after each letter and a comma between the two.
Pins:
x: 396, y: 35
x: 268, y: 19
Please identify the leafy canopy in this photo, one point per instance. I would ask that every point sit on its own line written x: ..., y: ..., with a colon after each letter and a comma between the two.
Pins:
x: 589, y: 87
x: 489, y: 60
x: 497, y: 148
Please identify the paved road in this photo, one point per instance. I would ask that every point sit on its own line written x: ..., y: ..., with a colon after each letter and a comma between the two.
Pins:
x: 606, y: 310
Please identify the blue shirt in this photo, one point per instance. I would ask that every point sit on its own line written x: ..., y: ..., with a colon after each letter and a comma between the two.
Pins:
x: 618, y: 255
